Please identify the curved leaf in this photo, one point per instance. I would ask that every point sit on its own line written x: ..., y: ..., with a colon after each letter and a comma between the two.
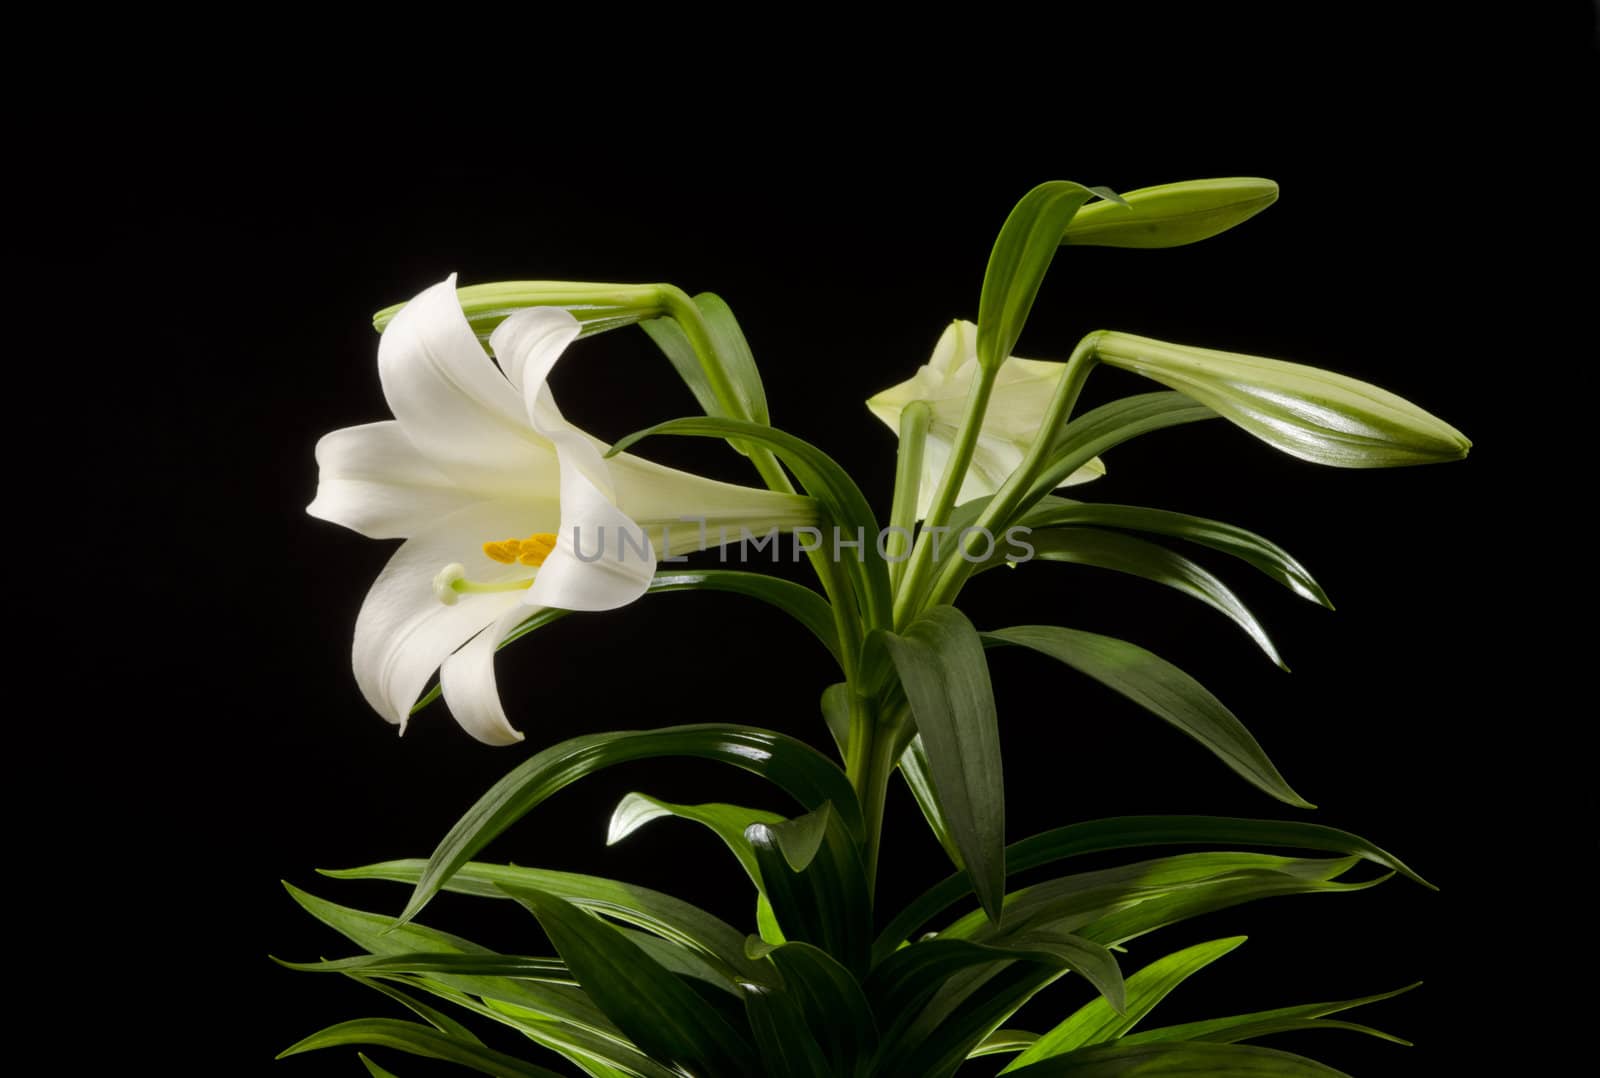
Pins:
x: 657, y: 1011
x: 1137, y: 557
x: 472, y: 965
x: 1096, y: 1022
x: 787, y: 1042
x: 944, y: 673
x: 823, y: 479
x: 831, y: 1004
x: 914, y: 769
x: 1132, y: 832
x: 1022, y: 253
x: 1179, y: 1061
x: 1002, y: 1041
x: 1108, y: 426
x: 1163, y: 690
x: 431, y: 1015
x: 805, y: 773
x: 1247, y: 546
x: 419, y: 1040
x: 670, y: 918
x: 826, y: 902
x: 1217, y: 1028
x: 728, y: 822
x: 373, y: 1070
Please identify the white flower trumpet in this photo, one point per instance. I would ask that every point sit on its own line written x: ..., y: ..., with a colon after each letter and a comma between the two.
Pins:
x: 505, y: 507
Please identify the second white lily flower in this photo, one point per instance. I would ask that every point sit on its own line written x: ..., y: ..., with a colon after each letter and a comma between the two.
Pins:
x: 505, y: 507
x: 1022, y: 392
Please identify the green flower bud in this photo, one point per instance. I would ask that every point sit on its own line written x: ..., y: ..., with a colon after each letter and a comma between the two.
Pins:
x: 1307, y: 412
x: 1171, y: 214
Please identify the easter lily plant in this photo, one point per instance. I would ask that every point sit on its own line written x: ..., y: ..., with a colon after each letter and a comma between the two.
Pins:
x: 512, y: 518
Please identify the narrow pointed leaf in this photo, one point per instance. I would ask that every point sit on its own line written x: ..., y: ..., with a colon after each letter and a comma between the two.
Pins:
x: 1211, y: 1028
x: 670, y: 918
x: 734, y: 352
x: 1097, y: 1023
x: 805, y: 773
x: 787, y: 1043
x: 1102, y: 429
x: 657, y: 1011
x: 1002, y: 1041
x: 832, y: 1004
x: 1247, y: 546
x: 419, y: 1040
x: 941, y: 665
x: 1133, y: 832
x: 470, y: 965
x: 914, y: 769
x: 1163, y: 690
x: 727, y: 822
x: 836, y: 714
x: 373, y: 1070
x: 431, y: 1015
x: 1022, y: 253
x: 825, y: 904
x: 1137, y: 557
x: 1179, y: 1061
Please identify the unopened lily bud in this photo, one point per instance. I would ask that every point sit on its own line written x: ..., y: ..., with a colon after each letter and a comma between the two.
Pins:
x: 1171, y: 214
x: 1307, y: 412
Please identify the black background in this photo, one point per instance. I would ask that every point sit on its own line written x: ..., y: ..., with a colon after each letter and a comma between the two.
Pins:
x: 1432, y: 237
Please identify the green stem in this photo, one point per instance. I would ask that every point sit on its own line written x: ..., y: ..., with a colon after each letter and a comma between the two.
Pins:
x: 870, y: 761
x: 1018, y: 486
x: 907, y: 486
x: 955, y: 472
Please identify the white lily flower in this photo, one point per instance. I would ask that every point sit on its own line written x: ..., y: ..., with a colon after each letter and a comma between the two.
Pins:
x: 1021, y: 396
x: 505, y: 507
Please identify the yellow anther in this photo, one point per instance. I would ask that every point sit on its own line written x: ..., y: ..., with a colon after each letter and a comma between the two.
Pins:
x: 531, y: 551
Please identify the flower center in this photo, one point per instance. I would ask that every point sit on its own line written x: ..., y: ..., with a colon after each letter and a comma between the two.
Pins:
x: 531, y: 551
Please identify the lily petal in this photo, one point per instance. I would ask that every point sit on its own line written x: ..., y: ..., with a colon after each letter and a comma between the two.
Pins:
x: 372, y: 480
x: 403, y: 632
x: 467, y: 680
x: 454, y: 404
x: 602, y: 559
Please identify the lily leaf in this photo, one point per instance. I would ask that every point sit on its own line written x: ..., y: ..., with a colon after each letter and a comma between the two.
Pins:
x: 1179, y: 1061
x: 670, y: 918
x: 1102, y: 429
x: 656, y: 1010
x: 419, y: 1040
x: 728, y: 822
x: 1133, y: 832
x: 1220, y: 1028
x: 1017, y: 264
x: 1138, y: 557
x: 831, y: 1005
x: 1163, y: 690
x: 942, y: 667
x: 1247, y: 546
x: 826, y: 902
x: 1097, y: 1023
x: 805, y: 773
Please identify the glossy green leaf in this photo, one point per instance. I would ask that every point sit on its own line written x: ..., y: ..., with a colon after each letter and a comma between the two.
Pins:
x: 836, y: 714
x: 771, y: 932
x: 1138, y: 557
x: 471, y: 965
x: 1071, y: 903
x: 1003, y: 1041
x: 1216, y: 1028
x: 670, y: 918
x: 1102, y: 429
x: 914, y: 769
x: 786, y: 1041
x: 831, y: 1004
x: 967, y: 990
x: 373, y: 1070
x: 1163, y: 690
x: 727, y: 822
x: 1133, y: 832
x: 827, y: 903
x: 799, y: 839
x: 942, y: 668
x: 674, y: 344
x: 1179, y: 1061
x: 657, y: 1011
x: 419, y: 1040
x: 1096, y: 1022
x: 734, y: 352
x: 1306, y: 412
x: 1171, y: 214
x: 1207, y: 897
x: 796, y: 767
x: 1017, y: 264
x: 431, y: 1015
x: 1269, y: 1026
x: 1247, y: 546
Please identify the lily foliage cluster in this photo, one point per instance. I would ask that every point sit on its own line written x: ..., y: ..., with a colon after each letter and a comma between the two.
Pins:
x: 512, y: 517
